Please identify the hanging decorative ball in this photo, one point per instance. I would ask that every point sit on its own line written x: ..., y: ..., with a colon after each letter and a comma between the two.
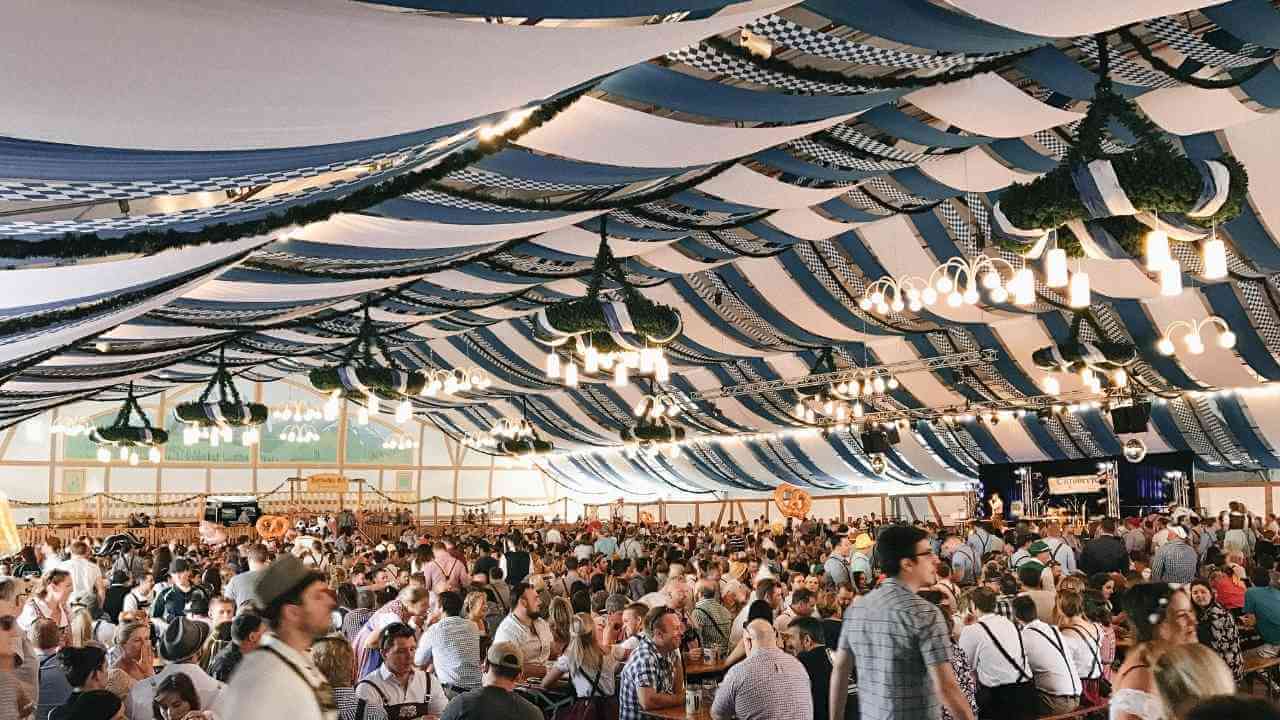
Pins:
x: 1135, y: 451
x: 878, y: 463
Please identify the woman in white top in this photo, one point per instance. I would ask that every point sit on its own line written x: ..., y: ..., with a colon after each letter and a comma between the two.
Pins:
x: 1083, y: 641
x: 592, y: 671
x: 1161, y: 615
x: 50, y: 602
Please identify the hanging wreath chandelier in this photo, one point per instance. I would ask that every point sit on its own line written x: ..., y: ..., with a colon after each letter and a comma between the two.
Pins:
x: 302, y: 434
x: 1132, y: 202
x: 511, y: 438
x: 449, y: 382
x: 298, y: 411
x: 361, y: 377
x: 129, y: 439
x: 840, y: 401
x: 954, y: 282
x: 1191, y: 338
x: 1097, y: 363
x: 616, y: 332
x: 213, y: 420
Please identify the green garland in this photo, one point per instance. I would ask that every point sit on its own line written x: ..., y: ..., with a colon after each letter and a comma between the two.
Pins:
x: 660, y: 430
x: 1154, y: 179
x: 382, y: 380
x: 88, y: 245
x: 1154, y: 176
x: 586, y: 316
x: 131, y: 436
x: 232, y: 414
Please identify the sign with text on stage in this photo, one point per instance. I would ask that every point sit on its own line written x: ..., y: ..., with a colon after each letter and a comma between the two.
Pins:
x: 1070, y: 484
x: 327, y: 482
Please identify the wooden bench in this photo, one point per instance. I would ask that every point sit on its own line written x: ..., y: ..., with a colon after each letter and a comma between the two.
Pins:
x: 1256, y: 667
x: 1079, y: 713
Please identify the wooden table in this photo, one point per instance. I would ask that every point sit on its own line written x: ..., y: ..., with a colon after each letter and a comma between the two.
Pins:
x: 700, y: 668
x: 678, y: 713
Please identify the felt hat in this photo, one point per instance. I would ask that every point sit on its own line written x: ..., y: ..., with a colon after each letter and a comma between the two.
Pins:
x: 183, y: 638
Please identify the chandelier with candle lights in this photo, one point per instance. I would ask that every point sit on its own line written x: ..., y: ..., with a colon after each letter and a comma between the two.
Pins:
x: 213, y: 419
x: 125, y: 441
x: 844, y: 400
x: 955, y: 282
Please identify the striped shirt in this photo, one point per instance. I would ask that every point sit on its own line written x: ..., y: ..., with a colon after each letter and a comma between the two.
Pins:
x: 768, y: 685
x: 895, y: 636
x: 452, y: 646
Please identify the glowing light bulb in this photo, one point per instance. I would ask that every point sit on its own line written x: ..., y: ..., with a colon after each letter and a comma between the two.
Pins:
x: 893, y: 383
x: 362, y: 416
x: 1086, y: 375
x: 1023, y: 286
x: 999, y: 295
x: 809, y: 415
x: 877, y: 298
x: 1055, y: 268
x: 840, y: 412
x: 1156, y: 249
x: 878, y: 385
x: 1215, y: 259
x: 1195, y: 344
x: 571, y: 375
x: 104, y: 455
x: 153, y: 455
x: 971, y: 296
x: 1170, y: 279
x: 991, y: 280
x: 1226, y: 339
x: 944, y: 284
x: 215, y: 439
x: 1079, y: 295
x: 133, y: 458
x: 661, y: 370
x: 954, y: 299
x: 124, y: 453
x: 1165, y: 346
x: 620, y: 375
x: 374, y: 404
x: 897, y: 305
x: 858, y: 410
x: 1051, y: 385
x: 799, y: 408
x: 865, y: 303
x: 591, y: 360
x: 404, y: 410
x: 553, y: 365
x: 1119, y: 378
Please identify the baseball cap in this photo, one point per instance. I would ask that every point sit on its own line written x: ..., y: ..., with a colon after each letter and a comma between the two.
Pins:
x: 506, y: 655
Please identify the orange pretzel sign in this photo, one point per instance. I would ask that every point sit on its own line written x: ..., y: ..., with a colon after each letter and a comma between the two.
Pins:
x: 272, y: 526
x: 792, y: 501
x: 646, y: 517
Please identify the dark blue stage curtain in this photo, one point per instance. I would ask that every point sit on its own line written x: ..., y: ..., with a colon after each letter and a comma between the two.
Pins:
x: 1144, y: 485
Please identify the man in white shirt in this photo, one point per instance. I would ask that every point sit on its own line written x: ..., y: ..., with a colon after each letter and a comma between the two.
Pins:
x: 768, y: 590
x: 1056, y: 677
x: 86, y: 576
x: 553, y: 537
x: 397, y: 687
x: 994, y: 649
x: 1059, y: 550
x: 801, y: 605
x: 525, y: 627
x: 179, y: 646
x: 140, y: 596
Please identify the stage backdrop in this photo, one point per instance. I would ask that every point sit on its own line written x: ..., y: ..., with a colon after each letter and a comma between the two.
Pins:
x: 1143, y: 486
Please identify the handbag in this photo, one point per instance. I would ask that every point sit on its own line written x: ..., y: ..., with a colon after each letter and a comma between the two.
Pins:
x: 596, y: 706
x: 1101, y: 684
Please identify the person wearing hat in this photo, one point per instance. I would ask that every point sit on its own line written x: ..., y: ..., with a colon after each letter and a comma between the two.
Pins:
x: 1176, y: 561
x: 860, y: 559
x: 279, y: 680
x: 179, y: 647
x: 171, y: 603
x: 495, y: 699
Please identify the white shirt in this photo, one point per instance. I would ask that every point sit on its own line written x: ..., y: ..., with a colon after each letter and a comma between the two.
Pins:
x: 133, y: 601
x: 1050, y: 661
x: 534, y: 644
x: 265, y: 688
x: 1083, y: 645
x: 554, y: 537
x: 420, y: 684
x: 582, y: 684
x: 1059, y: 550
x: 992, y: 668
x: 656, y: 599
x: 85, y: 573
x: 143, y: 694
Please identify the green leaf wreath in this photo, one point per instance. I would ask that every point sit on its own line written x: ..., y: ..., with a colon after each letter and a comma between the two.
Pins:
x: 120, y: 432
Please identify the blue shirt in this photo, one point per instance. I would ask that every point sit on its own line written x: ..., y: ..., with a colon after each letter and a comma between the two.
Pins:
x: 1264, y: 604
x: 645, y: 668
x: 606, y: 546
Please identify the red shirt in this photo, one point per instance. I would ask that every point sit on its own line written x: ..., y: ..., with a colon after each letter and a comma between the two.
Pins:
x: 1230, y: 592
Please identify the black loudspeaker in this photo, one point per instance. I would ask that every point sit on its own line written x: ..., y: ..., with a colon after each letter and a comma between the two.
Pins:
x: 875, y: 441
x: 1132, y: 418
x: 892, y: 435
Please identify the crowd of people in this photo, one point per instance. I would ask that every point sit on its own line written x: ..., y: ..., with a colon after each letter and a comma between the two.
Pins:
x: 1152, y: 618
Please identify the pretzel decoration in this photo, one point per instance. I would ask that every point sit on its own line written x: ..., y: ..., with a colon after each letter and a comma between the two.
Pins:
x: 646, y: 517
x: 272, y: 526
x: 792, y: 501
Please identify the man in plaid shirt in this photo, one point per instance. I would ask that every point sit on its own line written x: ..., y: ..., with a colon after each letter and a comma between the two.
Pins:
x: 899, y: 641
x: 653, y: 678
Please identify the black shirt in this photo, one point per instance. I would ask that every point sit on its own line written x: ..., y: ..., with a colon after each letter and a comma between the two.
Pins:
x: 517, y: 567
x: 225, y: 662
x: 1105, y: 553
x: 490, y: 702
x: 484, y: 564
x: 818, y: 665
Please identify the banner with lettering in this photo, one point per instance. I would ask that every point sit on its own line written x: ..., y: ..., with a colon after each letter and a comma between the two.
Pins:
x: 1071, y: 484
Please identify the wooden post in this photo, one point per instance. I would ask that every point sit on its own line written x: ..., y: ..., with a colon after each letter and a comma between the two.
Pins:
x: 504, y: 509
x: 99, y: 510
x: 884, y: 506
x: 435, y: 510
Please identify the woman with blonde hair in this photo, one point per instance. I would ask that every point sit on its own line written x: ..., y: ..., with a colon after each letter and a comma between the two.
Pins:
x: 560, y: 618
x: 1186, y: 673
x: 50, y: 601
x: 332, y: 656
x: 592, y: 671
x: 1161, y: 616
x: 474, y: 607
x: 134, y: 661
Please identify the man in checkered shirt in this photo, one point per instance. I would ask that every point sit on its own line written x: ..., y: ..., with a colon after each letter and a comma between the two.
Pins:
x: 653, y: 678
x: 899, y: 640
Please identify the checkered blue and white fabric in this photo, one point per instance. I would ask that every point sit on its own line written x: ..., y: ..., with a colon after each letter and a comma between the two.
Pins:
x: 813, y: 42
x: 1172, y: 32
x: 717, y: 63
